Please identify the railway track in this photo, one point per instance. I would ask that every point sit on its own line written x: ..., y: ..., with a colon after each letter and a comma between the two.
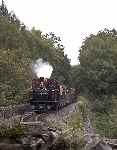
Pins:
x: 48, y: 118
x: 31, y: 119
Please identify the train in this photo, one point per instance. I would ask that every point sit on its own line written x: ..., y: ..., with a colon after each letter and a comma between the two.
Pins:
x: 48, y: 94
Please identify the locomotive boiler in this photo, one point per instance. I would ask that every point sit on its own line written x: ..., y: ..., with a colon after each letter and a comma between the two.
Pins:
x: 48, y: 94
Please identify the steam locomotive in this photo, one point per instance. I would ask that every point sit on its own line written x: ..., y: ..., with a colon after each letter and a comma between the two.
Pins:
x: 48, y: 94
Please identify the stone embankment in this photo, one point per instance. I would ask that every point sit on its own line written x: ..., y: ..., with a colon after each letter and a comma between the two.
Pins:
x: 42, y: 132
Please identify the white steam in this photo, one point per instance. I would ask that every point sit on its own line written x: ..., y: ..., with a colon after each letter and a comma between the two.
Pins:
x: 42, y: 69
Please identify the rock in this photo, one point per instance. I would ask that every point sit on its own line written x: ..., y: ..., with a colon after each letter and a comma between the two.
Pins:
x: 4, y: 146
x: 26, y: 140
x: 37, y: 143
x: 99, y: 146
x: 40, y: 139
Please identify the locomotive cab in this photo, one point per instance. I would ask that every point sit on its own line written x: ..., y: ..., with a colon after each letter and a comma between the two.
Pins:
x: 45, y: 94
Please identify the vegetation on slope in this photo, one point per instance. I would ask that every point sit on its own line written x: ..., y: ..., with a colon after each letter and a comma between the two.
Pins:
x: 96, y: 77
x: 19, y: 49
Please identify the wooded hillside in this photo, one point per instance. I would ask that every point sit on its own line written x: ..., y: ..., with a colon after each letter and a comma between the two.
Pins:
x: 19, y: 49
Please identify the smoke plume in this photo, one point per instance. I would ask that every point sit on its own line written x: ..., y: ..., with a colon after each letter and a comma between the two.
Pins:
x: 42, y: 69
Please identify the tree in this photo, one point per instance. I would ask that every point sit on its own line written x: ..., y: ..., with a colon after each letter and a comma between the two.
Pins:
x: 3, y: 9
x: 14, y: 76
x: 98, y: 65
x: 19, y: 49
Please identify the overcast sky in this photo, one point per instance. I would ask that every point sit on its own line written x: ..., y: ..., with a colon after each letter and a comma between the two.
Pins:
x: 72, y: 20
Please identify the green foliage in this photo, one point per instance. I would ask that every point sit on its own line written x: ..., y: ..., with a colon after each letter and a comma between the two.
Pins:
x: 83, y: 107
x: 14, y: 132
x: 105, y: 125
x: 75, y: 123
x: 98, y: 63
x: 13, y: 80
x: 75, y: 71
x: 55, y: 55
x: 60, y: 144
x: 103, y: 104
x: 65, y: 144
x: 96, y: 74
x: 3, y: 9
x: 19, y: 49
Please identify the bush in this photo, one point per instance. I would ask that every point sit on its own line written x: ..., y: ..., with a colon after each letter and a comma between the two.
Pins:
x: 13, y: 132
x: 60, y: 144
x: 102, y: 104
x: 83, y: 106
x: 67, y: 144
x: 105, y: 125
